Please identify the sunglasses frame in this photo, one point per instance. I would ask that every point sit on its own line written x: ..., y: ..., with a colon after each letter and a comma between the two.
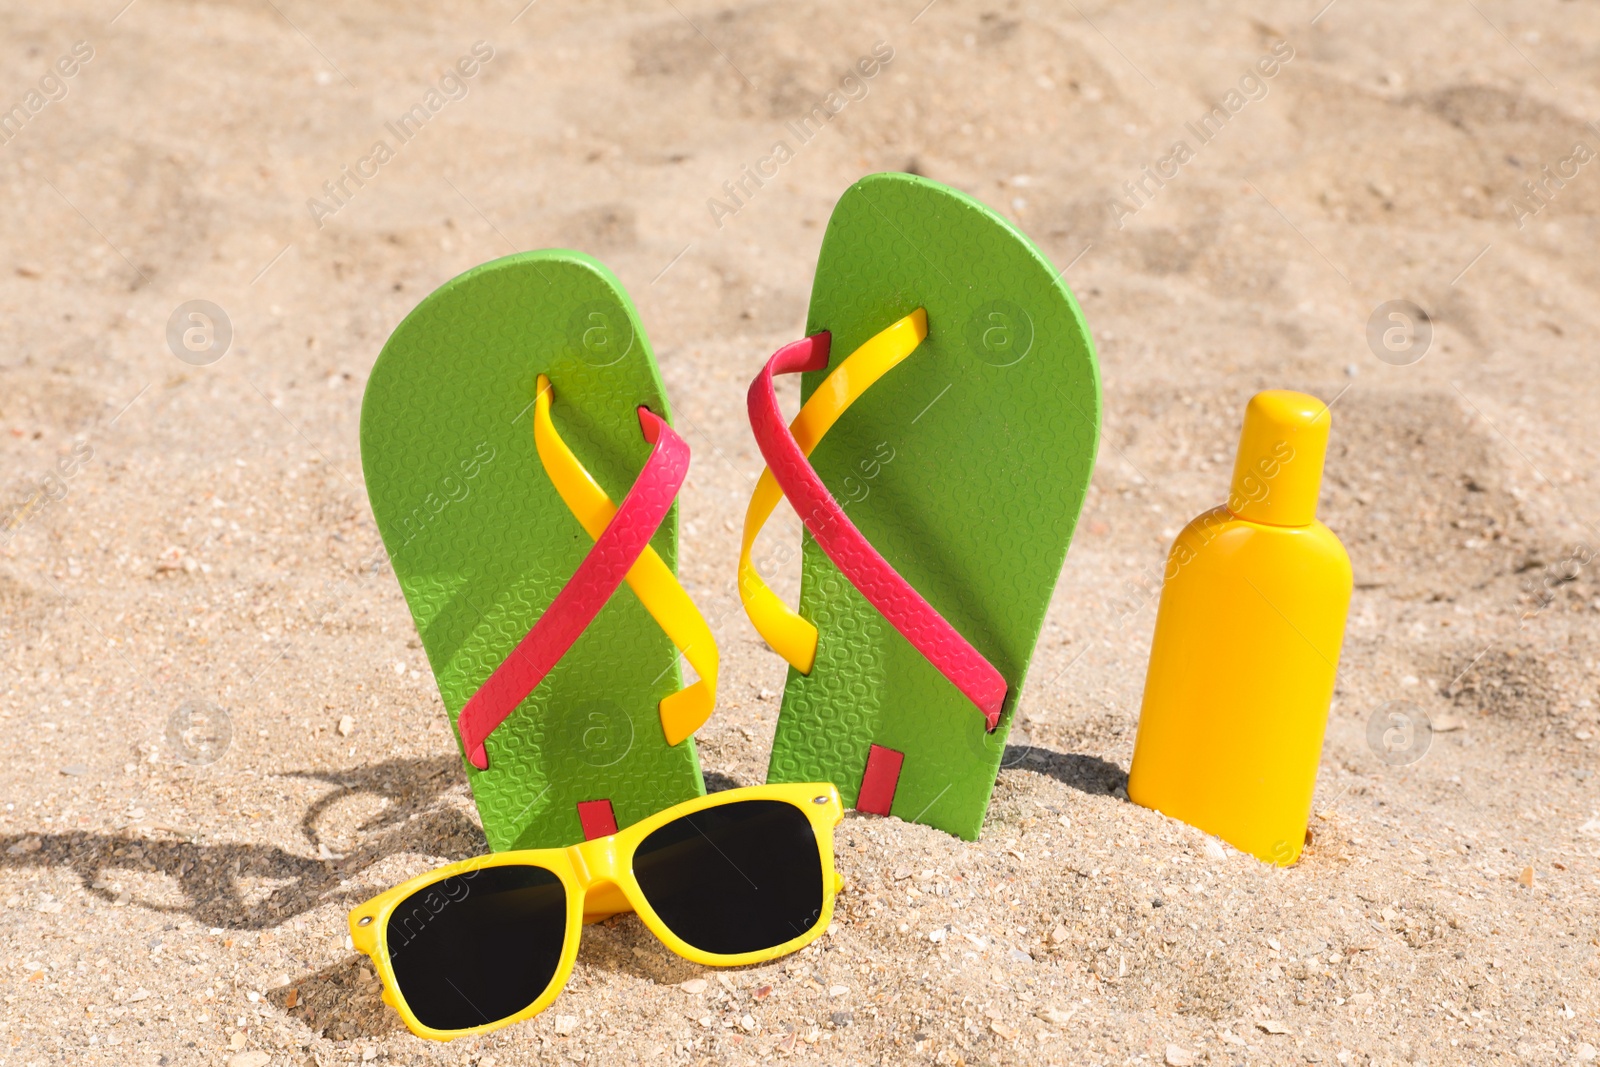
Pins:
x: 598, y: 879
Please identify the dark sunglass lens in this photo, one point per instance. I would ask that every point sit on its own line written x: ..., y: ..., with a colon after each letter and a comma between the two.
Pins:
x: 734, y: 878
x: 478, y: 947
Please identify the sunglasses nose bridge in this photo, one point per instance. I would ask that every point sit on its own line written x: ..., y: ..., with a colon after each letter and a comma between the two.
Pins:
x: 603, y: 900
x: 596, y: 861
x: 598, y: 867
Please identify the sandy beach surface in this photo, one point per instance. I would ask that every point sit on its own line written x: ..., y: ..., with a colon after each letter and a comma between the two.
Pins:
x: 219, y: 728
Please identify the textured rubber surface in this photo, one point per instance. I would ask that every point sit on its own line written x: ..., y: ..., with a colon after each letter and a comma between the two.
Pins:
x: 965, y: 466
x: 481, y: 542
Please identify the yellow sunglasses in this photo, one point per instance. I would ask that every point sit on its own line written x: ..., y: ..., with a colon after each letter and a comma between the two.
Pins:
x: 725, y: 879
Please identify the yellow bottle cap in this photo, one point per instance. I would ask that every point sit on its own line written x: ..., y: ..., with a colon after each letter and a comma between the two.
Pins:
x: 1278, y: 471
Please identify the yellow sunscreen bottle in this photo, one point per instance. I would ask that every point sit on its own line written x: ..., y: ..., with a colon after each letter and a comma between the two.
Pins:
x: 1252, y: 615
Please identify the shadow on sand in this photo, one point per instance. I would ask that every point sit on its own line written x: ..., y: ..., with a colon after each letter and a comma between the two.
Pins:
x: 1087, y: 774
x: 212, y: 878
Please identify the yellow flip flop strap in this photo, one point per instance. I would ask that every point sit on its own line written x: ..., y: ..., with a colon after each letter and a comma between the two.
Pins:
x: 652, y: 582
x: 790, y: 636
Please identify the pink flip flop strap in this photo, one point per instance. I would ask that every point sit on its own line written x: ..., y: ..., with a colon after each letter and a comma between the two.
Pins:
x: 857, y: 560
x: 586, y: 592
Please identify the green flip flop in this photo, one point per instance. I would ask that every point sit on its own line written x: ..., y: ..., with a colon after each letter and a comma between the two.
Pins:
x: 501, y: 420
x: 939, y: 506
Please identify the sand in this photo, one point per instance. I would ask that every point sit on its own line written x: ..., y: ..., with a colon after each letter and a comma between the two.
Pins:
x: 192, y: 538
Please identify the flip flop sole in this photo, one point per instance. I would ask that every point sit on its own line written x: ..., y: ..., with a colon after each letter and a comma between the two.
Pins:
x: 966, y: 466
x: 481, y: 543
